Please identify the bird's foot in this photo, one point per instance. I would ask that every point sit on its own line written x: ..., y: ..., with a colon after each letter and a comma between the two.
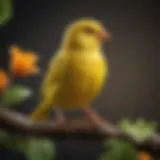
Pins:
x: 60, y: 118
x: 98, y: 121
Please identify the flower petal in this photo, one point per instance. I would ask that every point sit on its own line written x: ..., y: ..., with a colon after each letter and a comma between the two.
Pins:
x: 4, y: 80
x: 144, y: 156
x: 31, y: 56
x: 23, y: 63
x: 14, y: 50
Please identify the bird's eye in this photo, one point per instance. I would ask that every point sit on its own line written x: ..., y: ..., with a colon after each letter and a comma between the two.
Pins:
x: 89, y: 30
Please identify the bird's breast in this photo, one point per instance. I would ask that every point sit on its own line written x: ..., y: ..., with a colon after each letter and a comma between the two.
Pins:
x: 85, y: 74
x: 84, y: 79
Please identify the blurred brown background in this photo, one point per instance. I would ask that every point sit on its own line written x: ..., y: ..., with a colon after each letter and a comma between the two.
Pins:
x: 133, y: 87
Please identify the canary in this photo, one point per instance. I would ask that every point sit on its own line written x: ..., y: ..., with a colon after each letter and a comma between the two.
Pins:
x: 77, y: 72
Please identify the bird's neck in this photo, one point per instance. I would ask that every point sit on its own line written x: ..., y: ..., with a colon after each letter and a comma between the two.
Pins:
x: 81, y: 50
x: 72, y: 46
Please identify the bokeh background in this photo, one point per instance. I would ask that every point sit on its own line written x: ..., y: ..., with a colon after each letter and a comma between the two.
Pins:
x: 133, y: 86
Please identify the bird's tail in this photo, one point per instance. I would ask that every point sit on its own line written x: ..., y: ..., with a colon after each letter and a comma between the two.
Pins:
x: 46, y: 104
x: 40, y: 113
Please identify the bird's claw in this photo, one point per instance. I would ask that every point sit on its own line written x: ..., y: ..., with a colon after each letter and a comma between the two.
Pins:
x: 60, y: 120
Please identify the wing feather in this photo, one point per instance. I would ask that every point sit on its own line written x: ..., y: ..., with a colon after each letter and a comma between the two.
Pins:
x: 55, y: 72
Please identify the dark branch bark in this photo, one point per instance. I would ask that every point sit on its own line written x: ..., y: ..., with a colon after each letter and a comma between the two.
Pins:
x: 17, y: 123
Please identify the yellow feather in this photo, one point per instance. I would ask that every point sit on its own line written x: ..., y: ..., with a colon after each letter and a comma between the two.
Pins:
x: 76, y: 74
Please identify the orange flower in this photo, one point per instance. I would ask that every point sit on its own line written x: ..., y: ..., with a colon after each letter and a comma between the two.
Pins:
x: 144, y: 156
x: 4, y: 80
x: 22, y: 63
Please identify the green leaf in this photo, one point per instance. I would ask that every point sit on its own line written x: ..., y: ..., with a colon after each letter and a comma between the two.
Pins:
x: 111, y: 155
x: 5, y: 11
x: 12, y: 141
x: 4, y: 136
x: 16, y: 94
x: 119, y: 150
x: 140, y: 130
x: 40, y: 149
x: 33, y: 148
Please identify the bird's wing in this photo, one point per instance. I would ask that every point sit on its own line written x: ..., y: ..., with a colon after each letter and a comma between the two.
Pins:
x: 55, y: 73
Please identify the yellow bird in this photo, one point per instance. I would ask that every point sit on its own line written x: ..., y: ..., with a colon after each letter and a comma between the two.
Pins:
x: 76, y: 74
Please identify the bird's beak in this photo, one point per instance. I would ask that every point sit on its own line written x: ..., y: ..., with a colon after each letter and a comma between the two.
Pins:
x: 103, y: 35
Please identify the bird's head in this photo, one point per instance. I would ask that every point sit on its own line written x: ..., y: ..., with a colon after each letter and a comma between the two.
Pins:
x: 85, y: 33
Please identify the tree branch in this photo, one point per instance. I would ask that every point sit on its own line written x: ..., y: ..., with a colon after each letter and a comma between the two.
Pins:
x: 17, y: 123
